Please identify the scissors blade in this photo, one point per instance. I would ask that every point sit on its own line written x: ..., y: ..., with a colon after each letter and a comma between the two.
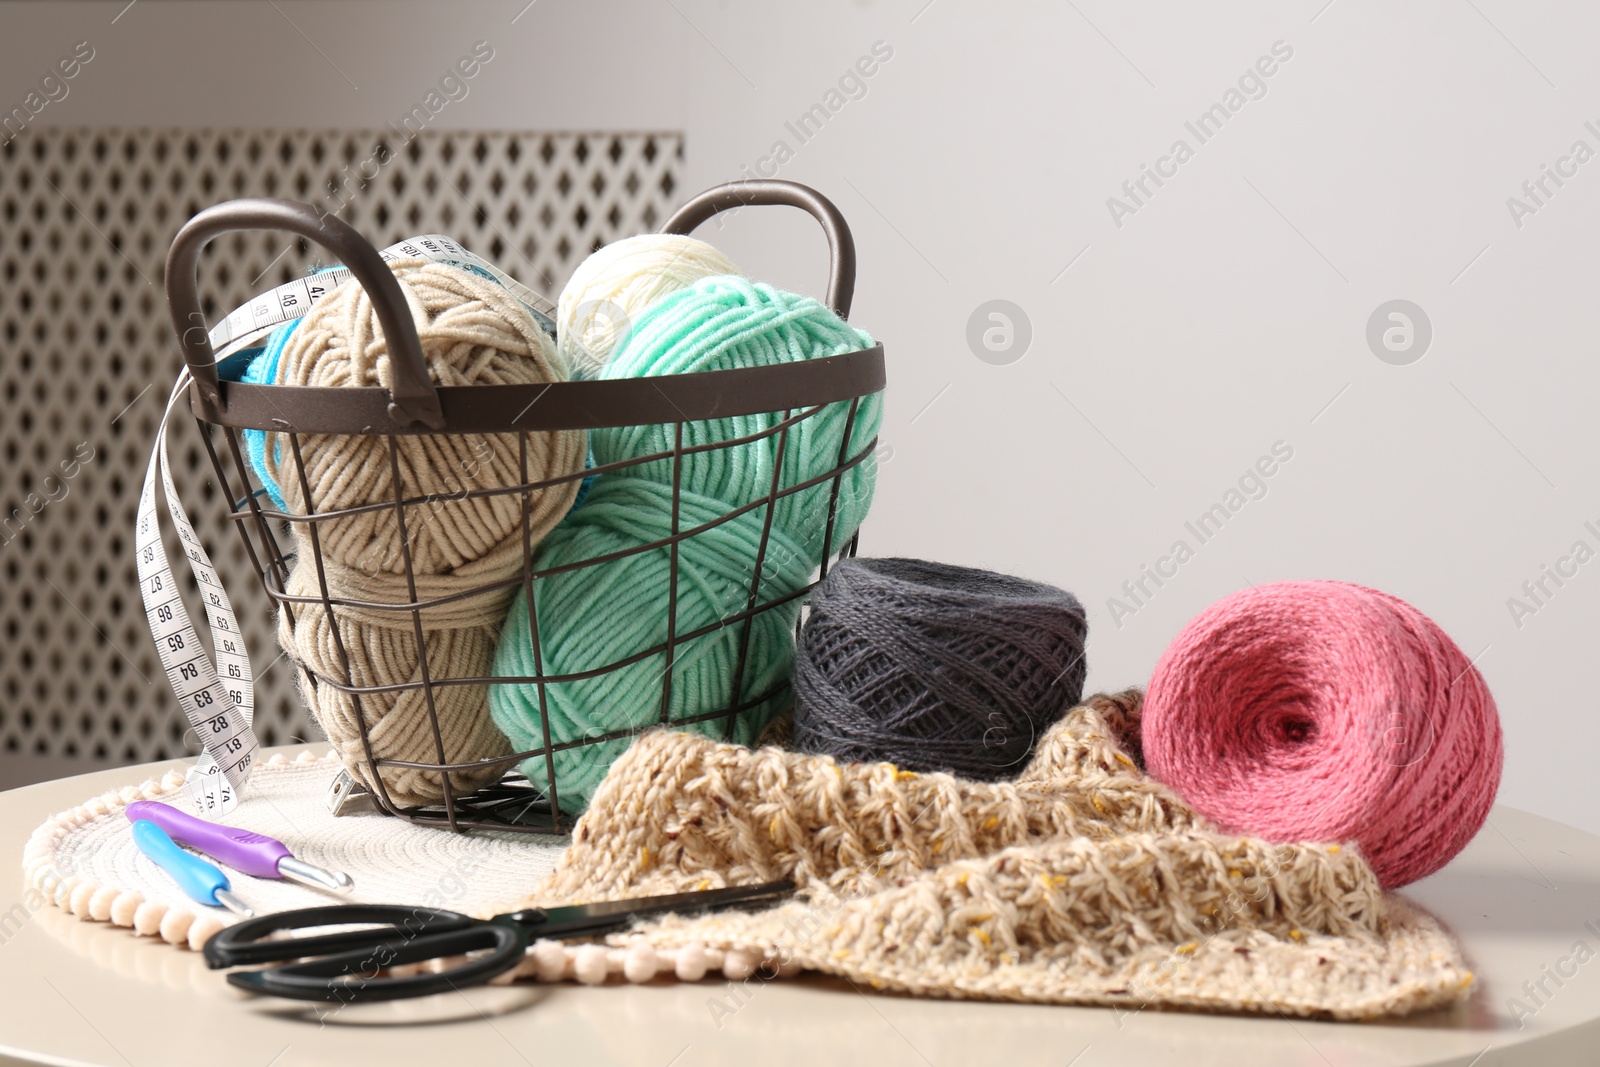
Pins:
x: 577, y: 920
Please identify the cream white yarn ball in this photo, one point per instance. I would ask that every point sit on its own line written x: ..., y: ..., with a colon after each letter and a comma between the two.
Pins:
x: 617, y: 283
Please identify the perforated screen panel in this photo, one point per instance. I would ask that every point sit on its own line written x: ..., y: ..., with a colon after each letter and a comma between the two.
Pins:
x: 88, y: 359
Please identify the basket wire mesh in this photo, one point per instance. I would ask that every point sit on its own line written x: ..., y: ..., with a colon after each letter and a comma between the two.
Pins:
x: 799, y: 391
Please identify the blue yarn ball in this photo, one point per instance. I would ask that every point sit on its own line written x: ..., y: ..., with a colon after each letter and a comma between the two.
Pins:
x: 263, y: 370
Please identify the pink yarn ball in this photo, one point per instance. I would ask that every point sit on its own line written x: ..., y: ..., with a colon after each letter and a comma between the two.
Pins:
x: 1326, y: 711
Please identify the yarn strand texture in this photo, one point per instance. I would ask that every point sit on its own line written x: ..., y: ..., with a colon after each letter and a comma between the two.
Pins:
x: 1083, y: 882
x: 1328, y: 711
x: 935, y: 667
x: 595, y: 617
x: 473, y: 332
x: 618, y: 283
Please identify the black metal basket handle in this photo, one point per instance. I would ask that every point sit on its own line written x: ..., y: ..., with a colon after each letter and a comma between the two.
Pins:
x: 412, y: 399
x: 841, y: 246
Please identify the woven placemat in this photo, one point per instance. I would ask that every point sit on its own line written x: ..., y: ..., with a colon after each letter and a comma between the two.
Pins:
x: 84, y: 860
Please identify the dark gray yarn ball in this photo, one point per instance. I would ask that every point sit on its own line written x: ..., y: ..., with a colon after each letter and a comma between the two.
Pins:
x: 934, y: 667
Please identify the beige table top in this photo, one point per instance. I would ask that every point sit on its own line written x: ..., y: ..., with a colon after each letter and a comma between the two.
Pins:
x: 87, y: 993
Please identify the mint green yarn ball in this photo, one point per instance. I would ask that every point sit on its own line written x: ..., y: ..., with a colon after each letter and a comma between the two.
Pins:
x: 590, y: 618
x: 724, y: 322
x: 594, y: 616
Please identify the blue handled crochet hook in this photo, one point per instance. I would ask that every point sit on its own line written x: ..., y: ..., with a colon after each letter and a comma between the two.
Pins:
x: 199, y: 879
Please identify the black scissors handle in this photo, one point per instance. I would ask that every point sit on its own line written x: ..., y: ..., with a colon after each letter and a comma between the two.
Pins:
x: 349, y: 965
x: 358, y: 974
x: 244, y: 944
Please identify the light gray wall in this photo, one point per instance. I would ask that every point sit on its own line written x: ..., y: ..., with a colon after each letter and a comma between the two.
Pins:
x: 1228, y: 313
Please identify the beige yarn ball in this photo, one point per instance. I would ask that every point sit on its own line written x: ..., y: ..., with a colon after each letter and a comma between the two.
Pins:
x: 617, y: 283
x: 473, y: 332
x: 381, y: 649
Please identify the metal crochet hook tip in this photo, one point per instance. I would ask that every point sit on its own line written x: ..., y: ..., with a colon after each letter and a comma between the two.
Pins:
x: 233, y: 904
x: 309, y: 874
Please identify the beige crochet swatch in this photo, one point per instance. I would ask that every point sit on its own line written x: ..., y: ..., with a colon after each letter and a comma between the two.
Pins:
x: 1083, y: 882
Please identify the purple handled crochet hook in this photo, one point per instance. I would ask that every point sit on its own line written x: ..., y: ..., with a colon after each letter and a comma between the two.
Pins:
x: 246, y: 852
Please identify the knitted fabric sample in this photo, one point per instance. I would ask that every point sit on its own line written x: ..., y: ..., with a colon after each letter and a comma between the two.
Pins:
x: 1083, y: 882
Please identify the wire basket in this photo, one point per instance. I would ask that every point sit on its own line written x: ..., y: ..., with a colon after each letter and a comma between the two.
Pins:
x: 799, y: 391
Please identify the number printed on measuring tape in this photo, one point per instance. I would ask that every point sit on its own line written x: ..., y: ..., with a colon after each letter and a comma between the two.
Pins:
x: 217, y: 697
x: 247, y: 324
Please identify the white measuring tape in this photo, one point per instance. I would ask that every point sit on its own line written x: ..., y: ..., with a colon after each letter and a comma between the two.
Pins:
x: 218, y: 697
x: 219, y: 712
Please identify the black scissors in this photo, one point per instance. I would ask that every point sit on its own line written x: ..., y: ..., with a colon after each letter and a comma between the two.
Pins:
x: 349, y: 965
